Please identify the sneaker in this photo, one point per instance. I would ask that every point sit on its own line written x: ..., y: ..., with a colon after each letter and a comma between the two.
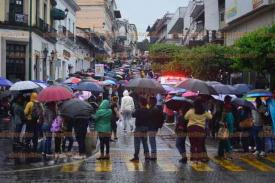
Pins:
x: 256, y: 153
x: 135, y: 160
x: 262, y: 154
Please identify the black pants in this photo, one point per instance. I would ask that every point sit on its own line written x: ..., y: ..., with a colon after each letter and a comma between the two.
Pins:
x: 245, y: 140
x: 80, y: 127
x: 32, y: 134
x: 57, y: 142
x: 68, y: 133
x: 104, y: 142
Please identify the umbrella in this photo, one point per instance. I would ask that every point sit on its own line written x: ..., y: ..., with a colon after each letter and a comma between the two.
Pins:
x: 72, y: 80
x: 190, y: 94
x: 90, y: 79
x: 224, y: 89
x: 42, y: 85
x: 24, y: 85
x: 150, y: 85
x: 197, y: 85
x: 89, y: 86
x: 177, y: 102
x: 84, y: 95
x: 168, y: 88
x: 5, y: 83
x: 109, y: 82
x: 243, y: 103
x: 177, y: 91
x: 119, y: 77
x: 64, y: 86
x: 258, y: 93
x: 110, y: 78
x: 242, y: 88
x: 221, y: 97
x: 54, y: 94
x: 211, y: 83
x: 76, y: 109
x: 123, y: 82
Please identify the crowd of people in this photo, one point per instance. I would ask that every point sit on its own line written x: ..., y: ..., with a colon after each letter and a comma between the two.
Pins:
x: 235, y: 126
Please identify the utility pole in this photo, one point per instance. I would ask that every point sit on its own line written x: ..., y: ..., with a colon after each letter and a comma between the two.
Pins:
x: 30, y: 42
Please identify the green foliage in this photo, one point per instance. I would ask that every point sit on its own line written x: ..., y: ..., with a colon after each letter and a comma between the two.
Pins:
x: 256, y: 50
x: 203, y: 62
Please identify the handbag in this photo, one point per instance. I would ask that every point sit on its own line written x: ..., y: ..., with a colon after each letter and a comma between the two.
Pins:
x: 247, y: 123
x: 223, y: 133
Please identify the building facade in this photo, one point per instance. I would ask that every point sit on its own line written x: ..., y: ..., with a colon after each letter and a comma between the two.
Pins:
x: 246, y: 16
x: 100, y: 16
x: 20, y: 20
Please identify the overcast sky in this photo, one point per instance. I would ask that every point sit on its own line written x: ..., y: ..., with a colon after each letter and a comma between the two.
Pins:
x: 145, y: 12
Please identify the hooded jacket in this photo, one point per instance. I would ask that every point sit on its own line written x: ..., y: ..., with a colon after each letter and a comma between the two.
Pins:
x: 29, y: 106
x: 127, y: 102
x: 103, y: 117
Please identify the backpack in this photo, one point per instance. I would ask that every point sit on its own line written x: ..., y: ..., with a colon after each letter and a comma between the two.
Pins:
x: 36, y: 111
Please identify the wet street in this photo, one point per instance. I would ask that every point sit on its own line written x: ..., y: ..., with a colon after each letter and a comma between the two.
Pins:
x: 166, y: 169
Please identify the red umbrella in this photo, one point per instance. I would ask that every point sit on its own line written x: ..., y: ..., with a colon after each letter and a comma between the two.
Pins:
x: 54, y: 94
x: 72, y: 80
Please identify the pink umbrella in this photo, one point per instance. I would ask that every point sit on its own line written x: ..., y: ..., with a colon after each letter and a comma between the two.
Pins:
x: 72, y: 80
x: 190, y: 94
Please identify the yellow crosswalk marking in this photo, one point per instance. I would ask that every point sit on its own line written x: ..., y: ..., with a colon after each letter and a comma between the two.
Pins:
x: 201, y: 167
x: 103, y: 166
x: 271, y: 158
x: 134, y: 166
x: 228, y: 165
x: 70, y: 168
x: 257, y: 164
x: 167, y: 166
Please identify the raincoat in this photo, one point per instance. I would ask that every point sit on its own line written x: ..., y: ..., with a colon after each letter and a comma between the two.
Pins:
x: 29, y: 106
x: 271, y: 107
x: 103, y: 117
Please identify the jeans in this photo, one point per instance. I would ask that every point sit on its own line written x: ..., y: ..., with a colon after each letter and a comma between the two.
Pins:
x: 270, y: 144
x: 68, y: 133
x: 47, y: 147
x: 32, y: 134
x: 259, y: 139
x: 180, y: 144
x: 80, y: 127
x: 57, y: 142
x: 140, y: 136
x: 152, y: 140
x: 18, y: 129
x: 224, y: 147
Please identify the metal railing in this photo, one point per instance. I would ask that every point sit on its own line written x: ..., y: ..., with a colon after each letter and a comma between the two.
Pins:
x: 16, y: 19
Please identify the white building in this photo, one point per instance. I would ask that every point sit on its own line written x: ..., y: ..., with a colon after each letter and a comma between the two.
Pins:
x: 66, y: 49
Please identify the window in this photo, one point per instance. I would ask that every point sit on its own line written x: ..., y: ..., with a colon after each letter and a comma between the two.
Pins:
x: 45, y: 12
x: 69, y: 26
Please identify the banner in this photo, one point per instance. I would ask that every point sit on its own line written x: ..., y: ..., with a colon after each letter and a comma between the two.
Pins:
x: 99, y: 70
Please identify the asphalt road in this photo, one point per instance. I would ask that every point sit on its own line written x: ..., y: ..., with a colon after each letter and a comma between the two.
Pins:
x: 242, y: 169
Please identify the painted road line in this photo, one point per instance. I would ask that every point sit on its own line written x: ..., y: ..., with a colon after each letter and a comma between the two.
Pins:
x: 257, y: 164
x: 134, y: 166
x: 103, y: 166
x: 201, y: 167
x: 228, y: 165
x: 167, y: 166
x: 70, y: 168
x: 270, y: 158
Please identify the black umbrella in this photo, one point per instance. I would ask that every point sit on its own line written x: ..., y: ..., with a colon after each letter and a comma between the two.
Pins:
x: 243, y: 103
x: 146, y: 85
x: 197, y: 85
x: 176, y: 103
x: 242, y: 88
x: 225, y: 89
x: 76, y: 109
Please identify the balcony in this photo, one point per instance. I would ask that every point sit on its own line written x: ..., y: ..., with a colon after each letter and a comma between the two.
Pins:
x: 175, y: 25
x: 47, y: 31
x: 16, y: 19
x: 198, y: 6
x: 70, y: 35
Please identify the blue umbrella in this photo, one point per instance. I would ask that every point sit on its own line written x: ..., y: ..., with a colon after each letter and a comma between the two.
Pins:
x: 110, y: 78
x: 89, y: 86
x: 109, y: 82
x: 258, y: 93
x: 4, y: 82
x: 225, y: 89
x: 242, y: 88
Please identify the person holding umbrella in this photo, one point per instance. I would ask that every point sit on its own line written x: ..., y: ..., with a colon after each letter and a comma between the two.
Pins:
x: 18, y: 118
x: 103, y: 127
x: 197, y: 117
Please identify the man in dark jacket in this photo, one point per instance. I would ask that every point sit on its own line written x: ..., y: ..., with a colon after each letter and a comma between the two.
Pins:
x: 156, y: 122
x: 142, y: 115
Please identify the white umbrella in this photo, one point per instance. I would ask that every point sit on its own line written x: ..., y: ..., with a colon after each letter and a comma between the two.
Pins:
x: 42, y: 85
x: 24, y: 85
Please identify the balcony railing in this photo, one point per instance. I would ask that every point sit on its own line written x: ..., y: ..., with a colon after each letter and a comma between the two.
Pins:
x: 70, y: 35
x: 198, y: 6
x: 48, y: 31
x: 16, y: 19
